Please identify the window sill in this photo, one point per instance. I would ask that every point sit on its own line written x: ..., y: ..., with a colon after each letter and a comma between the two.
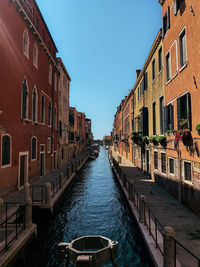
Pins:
x: 153, y: 81
x: 6, y: 166
x: 33, y: 159
x: 160, y: 71
x: 35, y: 123
x: 188, y: 182
x: 25, y: 120
x: 183, y: 67
x: 172, y: 78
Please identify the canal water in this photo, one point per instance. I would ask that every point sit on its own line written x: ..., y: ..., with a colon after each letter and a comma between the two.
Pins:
x: 94, y: 205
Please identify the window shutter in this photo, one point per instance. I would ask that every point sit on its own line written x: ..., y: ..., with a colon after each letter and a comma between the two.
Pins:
x: 178, y: 113
x: 175, y: 8
x: 145, y: 122
x: 189, y: 117
x: 163, y: 34
x: 165, y: 119
x: 60, y: 128
x: 172, y: 116
x: 168, y: 17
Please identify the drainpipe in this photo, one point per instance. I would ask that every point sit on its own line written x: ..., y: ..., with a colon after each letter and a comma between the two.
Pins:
x: 52, y: 115
x: 179, y: 174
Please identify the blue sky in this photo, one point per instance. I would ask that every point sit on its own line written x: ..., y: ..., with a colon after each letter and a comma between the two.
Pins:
x: 102, y: 43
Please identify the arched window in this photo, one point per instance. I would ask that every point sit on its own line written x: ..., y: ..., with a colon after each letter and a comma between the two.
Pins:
x: 49, y: 114
x: 24, y: 100
x: 26, y: 43
x: 50, y: 74
x: 42, y: 109
x: 6, y: 147
x: 34, y: 105
x: 35, y: 55
x: 34, y: 147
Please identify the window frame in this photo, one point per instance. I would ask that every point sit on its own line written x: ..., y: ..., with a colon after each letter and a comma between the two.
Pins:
x: 42, y: 114
x: 184, y: 174
x: 160, y: 60
x: 32, y: 159
x: 155, y: 160
x: 26, y: 43
x: 27, y: 100
x: 163, y: 170
x: 10, y: 151
x: 50, y: 74
x: 174, y: 160
x: 36, y: 105
x: 181, y: 63
x: 153, y: 70
x: 168, y: 66
x: 35, y: 55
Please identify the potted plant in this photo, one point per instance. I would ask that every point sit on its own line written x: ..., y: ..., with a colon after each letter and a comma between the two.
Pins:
x: 152, y: 139
x: 198, y: 128
x: 184, y: 123
x: 187, y: 137
x: 145, y: 139
x: 161, y: 139
x: 134, y: 137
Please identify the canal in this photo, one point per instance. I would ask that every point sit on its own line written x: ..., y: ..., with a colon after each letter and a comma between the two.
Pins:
x: 94, y: 205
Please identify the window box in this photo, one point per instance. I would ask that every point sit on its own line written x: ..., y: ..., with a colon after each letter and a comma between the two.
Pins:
x: 161, y: 139
x: 198, y: 129
x: 152, y: 139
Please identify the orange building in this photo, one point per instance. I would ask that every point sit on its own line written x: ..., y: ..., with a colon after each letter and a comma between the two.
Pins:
x: 181, y: 37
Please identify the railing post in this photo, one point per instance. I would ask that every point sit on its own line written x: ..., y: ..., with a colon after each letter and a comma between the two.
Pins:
x: 168, y: 246
x: 61, y: 180
x: 28, y: 221
x: 1, y: 210
x: 142, y: 200
x: 27, y: 192
x: 48, y: 193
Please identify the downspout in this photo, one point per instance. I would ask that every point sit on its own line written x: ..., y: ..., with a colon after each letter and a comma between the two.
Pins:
x: 52, y: 116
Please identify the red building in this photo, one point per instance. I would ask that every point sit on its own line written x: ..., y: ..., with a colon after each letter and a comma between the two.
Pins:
x: 28, y: 95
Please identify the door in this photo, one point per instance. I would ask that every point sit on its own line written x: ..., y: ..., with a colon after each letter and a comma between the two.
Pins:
x: 41, y: 164
x: 23, y: 169
x: 147, y: 161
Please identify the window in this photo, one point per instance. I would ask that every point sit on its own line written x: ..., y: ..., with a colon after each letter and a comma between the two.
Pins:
x: 184, y: 110
x: 55, y: 82
x: 171, y: 166
x: 145, y: 78
x: 49, y: 145
x: 182, y: 48
x: 35, y: 55
x: 166, y: 22
x: 50, y: 74
x: 26, y: 43
x: 49, y: 113
x: 169, y: 117
x: 153, y: 70
x: 177, y: 5
x: 187, y: 171
x: 34, y: 147
x: 24, y: 109
x: 60, y: 128
x: 42, y: 109
x: 62, y: 153
x: 162, y: 115
x: 163, y: 162
x: 34, y: 105
x: 6, y: 147
x: 156, y: 160
x: 160, y: 59
x: 154, y: 118
x: 168, y: 66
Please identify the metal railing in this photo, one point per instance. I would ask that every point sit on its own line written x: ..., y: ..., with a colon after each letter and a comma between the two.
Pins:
x: 192, y: 260
x: 12, y: 225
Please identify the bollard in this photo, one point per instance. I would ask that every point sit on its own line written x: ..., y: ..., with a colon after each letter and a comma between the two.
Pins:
x: 1, y: 210
x: 61, y: 180
x: 169, y: 246
x: 142, y: 199
x: 48, y: 193
x: 130, y: 190
x: 28, y: 213
x: 27, y: 192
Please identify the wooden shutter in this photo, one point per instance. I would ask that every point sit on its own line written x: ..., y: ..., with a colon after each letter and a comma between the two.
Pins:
x: 165, y: 118
x: 168, y: 17
x: 145, y: 121
x: 189, y: 117
x: 178, y: 113
x: 171, y: 110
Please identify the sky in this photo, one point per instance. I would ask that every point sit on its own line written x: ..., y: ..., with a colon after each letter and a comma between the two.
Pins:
x: 102, y: 43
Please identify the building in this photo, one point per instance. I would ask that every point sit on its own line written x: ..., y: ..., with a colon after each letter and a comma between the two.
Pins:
x: 28, y: 96
x: 63, y: 116
x: 181, y: 50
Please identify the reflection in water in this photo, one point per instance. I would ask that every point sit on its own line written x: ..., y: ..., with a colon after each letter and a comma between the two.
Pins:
x: 94, y: 205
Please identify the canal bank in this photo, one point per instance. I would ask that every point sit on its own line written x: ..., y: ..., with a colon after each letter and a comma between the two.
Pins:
x: 94, y: 205
x: 159, y: 209
x: 38, y: 200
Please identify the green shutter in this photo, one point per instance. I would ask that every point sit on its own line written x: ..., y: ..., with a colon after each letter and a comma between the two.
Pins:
x: 172, y: 116
x: 178, y: 113
x: 165, y: 119
x: 189, y: 115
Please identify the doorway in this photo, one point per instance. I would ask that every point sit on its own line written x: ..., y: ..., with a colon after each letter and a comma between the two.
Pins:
x: 23, y: 169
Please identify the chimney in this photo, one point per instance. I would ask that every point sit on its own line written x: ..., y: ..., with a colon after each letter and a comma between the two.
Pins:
x: 137, y: 73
